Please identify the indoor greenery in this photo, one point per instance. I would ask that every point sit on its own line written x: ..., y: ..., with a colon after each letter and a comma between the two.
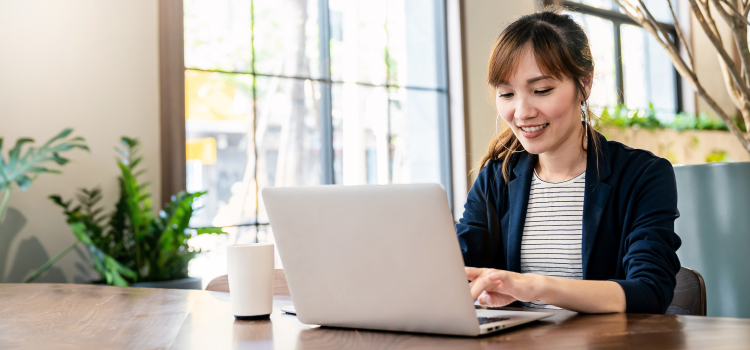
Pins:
x: 131, y: 244
x: 24, y: 167
x: 623, y: 117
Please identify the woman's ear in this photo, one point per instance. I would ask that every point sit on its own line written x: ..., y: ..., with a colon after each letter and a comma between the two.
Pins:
x: 587, y: 81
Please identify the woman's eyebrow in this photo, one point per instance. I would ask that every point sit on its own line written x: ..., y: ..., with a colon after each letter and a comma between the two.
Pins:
x: 529, y: 81
x: 541, y: 77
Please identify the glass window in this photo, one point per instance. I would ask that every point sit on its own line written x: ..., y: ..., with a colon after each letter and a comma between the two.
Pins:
x: 286, y: 40
x: 649, y: 76
x: 602, y: 4
x: 307, y: 92
x: 288, y: 134
x: 358, y: 41
x: 414, y: 43
x: 414, y: 135
x: 602, y: 42
x: 217, y: 35
x: 642, y: 73
x: 361, y: 127
x: 218, y: 126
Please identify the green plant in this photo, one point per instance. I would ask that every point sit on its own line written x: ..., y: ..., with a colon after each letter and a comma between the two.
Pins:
x: 717, y: 156
x: 622, y: 117
x: 23, y: 170
x: 133, y: 244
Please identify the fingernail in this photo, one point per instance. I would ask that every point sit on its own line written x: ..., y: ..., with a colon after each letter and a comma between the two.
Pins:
x: 486, y: 299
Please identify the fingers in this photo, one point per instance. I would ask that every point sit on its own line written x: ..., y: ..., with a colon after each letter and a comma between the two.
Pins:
x: 484, y: 299
x: 493, y: 299
x: 489, y: 280
x: 473, y: 272
x: 480, y: 284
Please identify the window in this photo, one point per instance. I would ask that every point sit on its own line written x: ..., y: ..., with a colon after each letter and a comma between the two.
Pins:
x: 631, y: 68
x: 308, y: 92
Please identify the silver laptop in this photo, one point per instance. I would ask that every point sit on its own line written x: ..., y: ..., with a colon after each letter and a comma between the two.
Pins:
x: 382, y: 257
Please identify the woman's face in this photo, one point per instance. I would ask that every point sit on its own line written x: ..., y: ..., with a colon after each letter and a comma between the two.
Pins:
x: 543, y: 112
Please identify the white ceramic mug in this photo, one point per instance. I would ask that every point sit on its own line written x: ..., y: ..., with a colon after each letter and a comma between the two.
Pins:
x: 250, y: 269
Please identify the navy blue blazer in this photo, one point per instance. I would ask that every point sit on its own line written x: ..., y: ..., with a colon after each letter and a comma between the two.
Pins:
x: 629, y: 209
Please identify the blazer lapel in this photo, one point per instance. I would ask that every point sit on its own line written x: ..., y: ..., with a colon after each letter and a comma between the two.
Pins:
x: 518, y: 198
x: 595, y: 197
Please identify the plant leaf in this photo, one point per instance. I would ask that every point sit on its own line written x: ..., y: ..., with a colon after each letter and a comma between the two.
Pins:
x: 23, y: 182
x: 209, y: 230
x: 15, y: 151
x: 61, y: 135
x: 112, y: 270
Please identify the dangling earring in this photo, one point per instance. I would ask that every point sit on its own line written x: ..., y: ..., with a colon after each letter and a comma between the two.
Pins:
x: 584, y: 115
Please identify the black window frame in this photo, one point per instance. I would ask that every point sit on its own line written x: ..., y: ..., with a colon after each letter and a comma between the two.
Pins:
x: 618, y: 19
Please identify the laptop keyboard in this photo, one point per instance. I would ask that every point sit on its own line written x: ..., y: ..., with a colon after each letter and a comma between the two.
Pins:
x: 486, y: 320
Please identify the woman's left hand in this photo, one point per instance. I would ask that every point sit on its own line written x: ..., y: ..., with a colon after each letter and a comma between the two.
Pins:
x: 499, y: 287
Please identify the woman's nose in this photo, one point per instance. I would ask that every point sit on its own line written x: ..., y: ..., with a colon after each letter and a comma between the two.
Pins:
x: 524, y: 110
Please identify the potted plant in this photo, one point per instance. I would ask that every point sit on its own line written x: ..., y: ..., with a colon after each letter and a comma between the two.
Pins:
x: 131, y: 246
x: 25, y: 162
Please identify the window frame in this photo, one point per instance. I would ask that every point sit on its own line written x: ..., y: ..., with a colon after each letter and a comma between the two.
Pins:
x: 617, y: 20
x: 172, y: 96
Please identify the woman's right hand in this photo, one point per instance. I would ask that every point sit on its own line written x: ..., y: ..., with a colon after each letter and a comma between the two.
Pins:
x: 485, y: 298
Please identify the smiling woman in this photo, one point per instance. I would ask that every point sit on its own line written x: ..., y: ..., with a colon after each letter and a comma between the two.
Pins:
x: 542, y: 63
x: 580, y: 222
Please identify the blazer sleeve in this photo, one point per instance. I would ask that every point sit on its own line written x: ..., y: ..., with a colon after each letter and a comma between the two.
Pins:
x: 650, y: 259
x: 478, y: 230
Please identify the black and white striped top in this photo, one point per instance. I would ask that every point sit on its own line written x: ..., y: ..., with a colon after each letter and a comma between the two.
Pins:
x: 551, y: 242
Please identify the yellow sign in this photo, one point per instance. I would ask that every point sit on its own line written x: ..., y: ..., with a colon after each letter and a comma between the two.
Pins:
x: 202, y: 149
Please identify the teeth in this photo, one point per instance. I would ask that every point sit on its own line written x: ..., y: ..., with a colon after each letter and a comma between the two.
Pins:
x: 535, y: 128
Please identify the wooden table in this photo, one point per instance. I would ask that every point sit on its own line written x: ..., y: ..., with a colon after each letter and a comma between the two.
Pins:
x: 73, y: 316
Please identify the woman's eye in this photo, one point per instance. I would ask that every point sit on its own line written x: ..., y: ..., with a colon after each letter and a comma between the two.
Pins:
x: 543, y: 92
x: 508, y: 95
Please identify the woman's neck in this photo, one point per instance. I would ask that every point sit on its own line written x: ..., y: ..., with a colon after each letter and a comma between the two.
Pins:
x: 563, y: 163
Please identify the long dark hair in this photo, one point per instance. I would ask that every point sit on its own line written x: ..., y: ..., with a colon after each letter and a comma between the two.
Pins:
x: 560, y: 47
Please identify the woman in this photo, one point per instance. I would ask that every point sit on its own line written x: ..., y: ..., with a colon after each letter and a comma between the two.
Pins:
x: 558, y: 216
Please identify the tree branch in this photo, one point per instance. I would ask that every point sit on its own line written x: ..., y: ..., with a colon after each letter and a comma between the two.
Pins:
x: 704, y: 10
x: 724, y: 14
x: 664, y: 41
x: 685, y: 71
x: 734, y: 73
x: 735, y: 12
x: 738, y: 24
x: 654, y: 23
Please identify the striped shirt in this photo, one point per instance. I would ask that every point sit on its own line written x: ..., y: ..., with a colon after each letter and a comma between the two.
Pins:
x: 551, y: 241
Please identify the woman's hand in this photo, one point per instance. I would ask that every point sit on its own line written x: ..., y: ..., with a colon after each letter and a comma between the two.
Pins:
x: 499, y: 287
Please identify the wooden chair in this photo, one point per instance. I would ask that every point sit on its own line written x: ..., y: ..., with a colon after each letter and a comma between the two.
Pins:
x: 689, y: 294
x: 221, y: 284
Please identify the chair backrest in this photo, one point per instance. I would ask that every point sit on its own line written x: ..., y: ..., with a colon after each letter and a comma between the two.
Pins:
x: 221, y: 284
x: 689, y: 294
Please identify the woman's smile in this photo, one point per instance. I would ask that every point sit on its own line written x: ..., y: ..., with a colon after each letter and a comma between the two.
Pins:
x: 531, y: 132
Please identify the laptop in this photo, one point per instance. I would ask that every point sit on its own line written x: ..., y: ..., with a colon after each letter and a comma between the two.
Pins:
x: 381, y: 257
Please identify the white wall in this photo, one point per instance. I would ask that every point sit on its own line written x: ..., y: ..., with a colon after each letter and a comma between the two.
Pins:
x: 484, y: 20
x: 87, y: 64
